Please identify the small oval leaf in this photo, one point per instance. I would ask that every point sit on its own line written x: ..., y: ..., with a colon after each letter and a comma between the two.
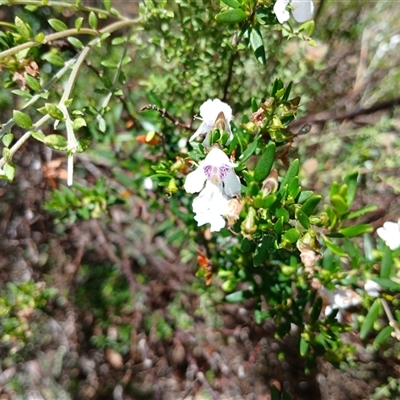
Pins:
x: 231, y: 16
x: 264, y: 165
x: 56, y: 142
x: 309, y: 206
x: 370, y: 318
x: 57, y: 25
x: 22, y: 120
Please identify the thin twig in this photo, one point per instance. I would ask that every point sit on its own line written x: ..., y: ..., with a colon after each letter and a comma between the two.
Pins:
x: 49, y: 38
x: 65, y: 4
x: 392, y: 321
x: 166, y: 114
x: 331, y: 115
x: 229, y: 77
x: 70, y: 82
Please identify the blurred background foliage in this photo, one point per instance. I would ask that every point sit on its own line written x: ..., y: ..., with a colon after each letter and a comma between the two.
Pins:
x: 104, y: 297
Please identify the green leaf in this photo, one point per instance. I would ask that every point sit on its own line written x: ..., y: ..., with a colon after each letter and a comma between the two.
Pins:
x: 22, y: 93
x: 22, y: 120
x: 304, y: 346
x: 370, y: 319
x: 307, y: 27
x: 231, y: 16
x: 388, y: 284
x: 316, y: 310
x: 54, y: 111
x: 57, y: 25
x: 356, y: 230
x: 78, y: 23
x: 278, y: 227
x: 83, y: 144
x: 269, y: 200
x: 38, y: 136
x: 362, y: 211
x: 23, y: 29
x: 291, y: 235
x: 107, y: 4
x: 246, y: 245
x: 54, y: 59
x: 78, y: 123
x: 351, y: 181
x: 334, y: 189
x: 7, y: 154
x: 93, y: 20
x: 9, y: 170
x: 257, y: 44
x: 387, y: 261
x: 39, y: 38
x: 252, y: 189
x: 334, y: 248
x: 32, y: 82
x: 56, y: 142
x: 303, y: 219
x: 275, y: 393
x: 383, y: 335
x: 294, y: 189
x: 304, y: 195
x: 75, y: 42
x: 249, y: 151
x: 118, y: 40
x: 310, y: 205
x: 339, y: 204
x: 285, y: 97
x: 102, y: 125
x: 7, y: 139
x: 291, y: 173
x: 239, y: 296
x: 276, y: 86
x: 109, y: 64
x: 231, y: 3
x: 264, y: 248
x: 264, y: 165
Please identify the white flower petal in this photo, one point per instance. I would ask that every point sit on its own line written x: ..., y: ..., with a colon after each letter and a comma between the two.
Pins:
x: 280, y: 10
x: 372, y: 288
x: 390, y: 234
x: 302, y: 10
x: 210, y: 110
x: 209, y: 207
x: 195, y: 181
x: 217, y: 157
x: 232, y: 185
x: 200, y: 131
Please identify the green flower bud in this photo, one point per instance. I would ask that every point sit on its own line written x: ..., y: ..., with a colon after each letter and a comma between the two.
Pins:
x: 249, y: 225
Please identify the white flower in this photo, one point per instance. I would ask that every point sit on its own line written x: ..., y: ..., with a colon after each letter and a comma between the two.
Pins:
x: 372, y: 288
x: 390, y: 233
x: 210, y: 111
x: 302, y: 10
x: 209, y: 206
x: 148, y: 183
x: 341, y: 300
x: 221, y: 183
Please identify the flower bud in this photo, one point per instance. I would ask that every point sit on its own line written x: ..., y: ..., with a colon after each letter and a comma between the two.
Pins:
x: 232, y: 211
x: 179, y: 164
x: 270, y: 184
x: 220, y: 122
x: 249, y: 225
x: 172, y: 188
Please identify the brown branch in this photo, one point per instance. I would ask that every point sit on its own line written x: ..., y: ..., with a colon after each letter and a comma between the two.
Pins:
x: 166, y: 114
x: 229, y: 77
x: 328, y: 115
